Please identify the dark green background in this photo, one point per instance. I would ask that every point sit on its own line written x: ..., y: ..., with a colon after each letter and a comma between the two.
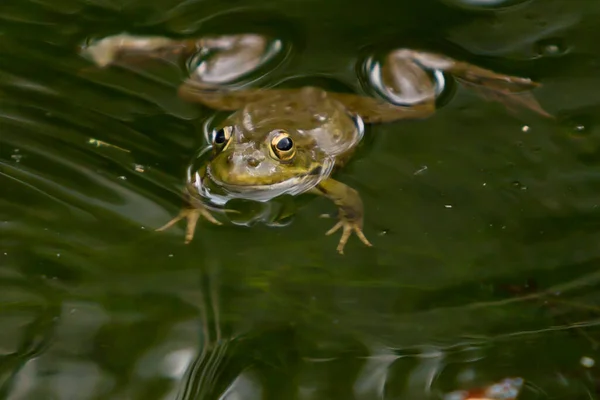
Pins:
x: 95, y: 305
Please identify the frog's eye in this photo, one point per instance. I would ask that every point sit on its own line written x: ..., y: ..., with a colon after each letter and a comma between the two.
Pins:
x: 222, y: 136
x: 282, y: 146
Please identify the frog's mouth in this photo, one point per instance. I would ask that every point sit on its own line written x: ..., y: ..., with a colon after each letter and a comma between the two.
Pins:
x: 219, y: 191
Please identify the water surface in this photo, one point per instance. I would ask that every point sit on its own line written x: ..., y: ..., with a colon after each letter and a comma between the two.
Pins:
x: 484, y: 223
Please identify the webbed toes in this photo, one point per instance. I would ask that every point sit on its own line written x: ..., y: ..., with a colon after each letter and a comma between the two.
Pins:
x: 347, y: 228
x: 191, y: 215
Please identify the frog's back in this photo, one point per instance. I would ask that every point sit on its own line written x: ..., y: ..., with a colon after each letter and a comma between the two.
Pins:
x: 310, y: 116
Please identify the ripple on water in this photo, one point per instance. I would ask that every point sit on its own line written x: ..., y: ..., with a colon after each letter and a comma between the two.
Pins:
x: 485, y: 5
x: 238, y: 60
x: 537, y: 29
x: 58, y: 179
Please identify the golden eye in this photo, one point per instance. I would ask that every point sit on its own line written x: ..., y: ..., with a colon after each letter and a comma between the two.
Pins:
x: 282, y: 146
x: 222, y: 136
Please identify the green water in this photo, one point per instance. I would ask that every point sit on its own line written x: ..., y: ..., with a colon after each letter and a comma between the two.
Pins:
x: 463, y: 209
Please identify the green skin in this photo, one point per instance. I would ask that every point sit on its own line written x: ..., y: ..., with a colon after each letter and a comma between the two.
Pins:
x: 320, y: 124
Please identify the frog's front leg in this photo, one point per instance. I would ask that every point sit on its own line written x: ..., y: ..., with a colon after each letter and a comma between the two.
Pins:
x: 350, y: 210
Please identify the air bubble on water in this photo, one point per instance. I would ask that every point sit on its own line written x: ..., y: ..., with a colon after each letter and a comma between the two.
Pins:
x: 448, y: 205
x: 57, y: 254
x: 139, y: 168
x: 123, y: 178
x: 170, y: 255
x: 519, y: 185
x: 587, y: 362
x: 578, y: 125
x: 553, y: 47
x: 525, y: 128
x: 16, y: 156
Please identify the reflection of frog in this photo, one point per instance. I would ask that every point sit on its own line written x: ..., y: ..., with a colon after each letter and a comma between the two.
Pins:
x: 290, y: 141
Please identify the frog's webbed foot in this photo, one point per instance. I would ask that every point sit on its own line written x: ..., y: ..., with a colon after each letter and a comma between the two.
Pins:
x: 350, y: 210
x: 191, y: 215
x: 512, y: 100
x: 512, y: 91
x: 348, y: 227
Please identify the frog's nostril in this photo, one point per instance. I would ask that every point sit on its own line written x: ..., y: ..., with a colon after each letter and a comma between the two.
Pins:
x: 253, y: 161
x: 253, y: 158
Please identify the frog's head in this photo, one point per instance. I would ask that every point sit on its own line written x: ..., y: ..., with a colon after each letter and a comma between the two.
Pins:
x: 283, y: 143
x: 279, y: 159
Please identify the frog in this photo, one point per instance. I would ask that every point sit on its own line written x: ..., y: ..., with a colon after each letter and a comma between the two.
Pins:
x: 280, y: 140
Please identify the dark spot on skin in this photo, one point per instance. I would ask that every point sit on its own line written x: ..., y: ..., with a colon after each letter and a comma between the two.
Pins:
x: 321, y: 188
x: 348, y: 213
x: 316, y: 171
